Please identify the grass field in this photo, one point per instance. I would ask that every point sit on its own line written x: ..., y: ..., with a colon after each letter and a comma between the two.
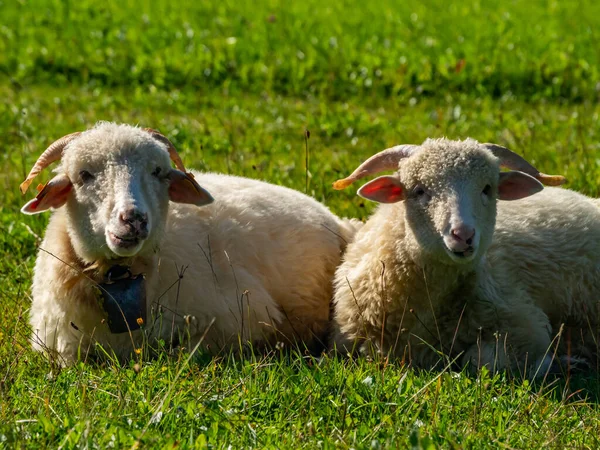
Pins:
x: 235, y: 85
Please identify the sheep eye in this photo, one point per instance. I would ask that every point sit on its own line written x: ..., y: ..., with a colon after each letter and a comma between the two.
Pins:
x: 487, y: 190
x: 421, y: 194
x: 419, y: 191
x: 156, y: 172
x: 85, y: 176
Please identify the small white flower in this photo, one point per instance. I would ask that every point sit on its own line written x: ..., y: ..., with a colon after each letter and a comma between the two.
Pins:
x: 368, y: 381
x: 418, y: 423
x: 156, y: 417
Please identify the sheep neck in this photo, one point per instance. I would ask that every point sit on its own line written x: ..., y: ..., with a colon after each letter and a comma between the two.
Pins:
x: 427, y: 282
x: 120, y: 292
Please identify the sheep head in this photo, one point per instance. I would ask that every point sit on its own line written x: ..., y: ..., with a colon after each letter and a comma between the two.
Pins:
x: 449, y: 189
x: 115, y: 182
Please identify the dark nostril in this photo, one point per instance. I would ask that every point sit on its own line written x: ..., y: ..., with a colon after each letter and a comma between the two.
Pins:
x: 142, y: 218
x: 469, y: 241
x: 143, y: 221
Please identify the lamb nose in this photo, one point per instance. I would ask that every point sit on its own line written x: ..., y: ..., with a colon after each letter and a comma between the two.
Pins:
x: 135, y: 219
x: 464, y: 233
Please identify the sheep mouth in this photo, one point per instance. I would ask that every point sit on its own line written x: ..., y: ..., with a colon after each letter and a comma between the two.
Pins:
x: 124, y: 242
x: 466, y: 254
x: 462, y: 256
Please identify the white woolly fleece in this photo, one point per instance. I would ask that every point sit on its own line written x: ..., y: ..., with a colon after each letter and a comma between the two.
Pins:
x: 258, y: 261
x: 399, y: 292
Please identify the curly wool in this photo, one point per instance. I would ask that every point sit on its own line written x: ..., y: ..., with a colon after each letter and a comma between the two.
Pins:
x: 398, y: 293
x: 550, y: 242
x: 258, y: 261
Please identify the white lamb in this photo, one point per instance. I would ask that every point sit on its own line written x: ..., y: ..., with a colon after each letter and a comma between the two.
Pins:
x: 416, y: 281
x: 550, y: 242
x: 258, y: 260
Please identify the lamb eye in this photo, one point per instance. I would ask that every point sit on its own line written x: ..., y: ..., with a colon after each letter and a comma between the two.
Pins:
x: 85, y: 176
x: 156, y: 172
x: 420, y: 191
x: 487, y: 190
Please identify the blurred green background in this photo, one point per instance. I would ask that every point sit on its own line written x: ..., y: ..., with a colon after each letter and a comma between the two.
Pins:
x: 235, y: 84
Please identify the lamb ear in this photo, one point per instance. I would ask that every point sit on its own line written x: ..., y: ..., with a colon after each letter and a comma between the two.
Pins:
x: 184, y: 189
x: 53, y: 195
x: 514, y: 185
x: 384, y: 189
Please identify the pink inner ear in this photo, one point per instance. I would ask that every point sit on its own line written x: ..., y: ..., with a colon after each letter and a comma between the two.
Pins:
x: 514, y: 185
x: 384, y: 189
x: 54, y: 195
x: 184, y: 189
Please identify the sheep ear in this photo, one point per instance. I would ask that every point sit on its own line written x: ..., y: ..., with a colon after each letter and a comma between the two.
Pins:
x: 53, y: 195
x: 514, y: 185
x: 184, y: 189
x: 384, y: 189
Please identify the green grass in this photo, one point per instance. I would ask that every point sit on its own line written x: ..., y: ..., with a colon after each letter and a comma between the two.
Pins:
x: 358, y: 76
x: 382, y: 49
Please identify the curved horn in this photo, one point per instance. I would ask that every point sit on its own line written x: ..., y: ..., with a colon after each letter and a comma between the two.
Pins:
x: 511, y: 160
x: 172, y: 152
x: 51, y: 154
x: 385, y: 160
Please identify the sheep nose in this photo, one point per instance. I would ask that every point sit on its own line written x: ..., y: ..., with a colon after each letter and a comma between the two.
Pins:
x: 135, y: 220
x: 463, y: 233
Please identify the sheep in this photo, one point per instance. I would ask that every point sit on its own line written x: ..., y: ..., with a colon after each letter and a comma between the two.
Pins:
x: 416, y: 282
x: 253, y: 264
x: 551, y: 243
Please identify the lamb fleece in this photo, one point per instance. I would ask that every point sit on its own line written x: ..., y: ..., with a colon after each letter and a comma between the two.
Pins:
x: 550, y: 242
x: 398, y: 293
x: 258, y: 261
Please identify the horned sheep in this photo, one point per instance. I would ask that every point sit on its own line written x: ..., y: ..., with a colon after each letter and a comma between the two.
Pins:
x: 418, y: 280
x: 551, y: 243
x: 255, y: 264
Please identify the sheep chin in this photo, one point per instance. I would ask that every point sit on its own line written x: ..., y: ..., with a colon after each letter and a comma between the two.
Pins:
x: 464, y: 257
